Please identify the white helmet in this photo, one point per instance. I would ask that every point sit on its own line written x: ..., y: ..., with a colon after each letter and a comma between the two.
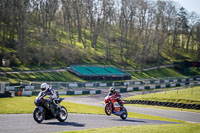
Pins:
x: 44, y: 87
x: 112, y: 89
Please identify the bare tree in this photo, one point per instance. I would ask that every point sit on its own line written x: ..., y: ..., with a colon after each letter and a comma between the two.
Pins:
x: 197, y: 37
x: 183, y: 25
x: 193, y: 19
x: 136, y: 31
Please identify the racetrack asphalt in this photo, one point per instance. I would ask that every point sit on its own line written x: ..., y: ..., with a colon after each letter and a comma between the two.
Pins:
x: 24, y: 123
x: 97, y: 100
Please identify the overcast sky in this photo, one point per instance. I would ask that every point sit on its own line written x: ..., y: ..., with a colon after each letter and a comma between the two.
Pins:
x: 190, y: 5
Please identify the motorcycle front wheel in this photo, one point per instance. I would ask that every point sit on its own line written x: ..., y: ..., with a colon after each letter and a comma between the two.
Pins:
x: 124, y: 114
x: 62, y: 114
x: 108, y: 109
x: 38, y: 115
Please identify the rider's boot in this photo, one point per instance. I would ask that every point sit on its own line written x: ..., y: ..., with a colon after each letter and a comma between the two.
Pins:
x: 56, y: 110
x: 121, y: 106
x: 46, y: 104
x: 53, y: 110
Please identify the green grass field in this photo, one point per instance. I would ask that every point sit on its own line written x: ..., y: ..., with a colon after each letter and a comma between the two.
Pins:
x: 165, y: 128
x: 188, y: 96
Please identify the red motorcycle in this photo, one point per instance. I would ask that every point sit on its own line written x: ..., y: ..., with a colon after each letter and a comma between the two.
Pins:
x: 112, y: 107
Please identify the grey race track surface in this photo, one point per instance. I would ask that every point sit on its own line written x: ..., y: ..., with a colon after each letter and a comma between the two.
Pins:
x: 97, y: 100
x: 24, y: 123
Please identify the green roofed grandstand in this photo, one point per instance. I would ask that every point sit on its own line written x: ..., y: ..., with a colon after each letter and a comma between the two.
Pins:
x: 94, y: 72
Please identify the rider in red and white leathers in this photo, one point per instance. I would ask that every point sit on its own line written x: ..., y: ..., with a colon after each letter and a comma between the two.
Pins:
x: 117, y: 95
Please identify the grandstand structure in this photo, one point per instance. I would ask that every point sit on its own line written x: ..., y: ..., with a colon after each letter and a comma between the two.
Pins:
x: 99, y: 72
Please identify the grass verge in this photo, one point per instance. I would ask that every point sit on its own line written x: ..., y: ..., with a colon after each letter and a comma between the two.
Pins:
x: 165, y: 128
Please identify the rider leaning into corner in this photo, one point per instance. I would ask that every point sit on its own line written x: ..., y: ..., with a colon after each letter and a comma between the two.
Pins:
x: 117, y: 95
x: 49, y: 102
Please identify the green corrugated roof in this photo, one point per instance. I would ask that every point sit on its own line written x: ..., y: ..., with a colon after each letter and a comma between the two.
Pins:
x: 98, y: 70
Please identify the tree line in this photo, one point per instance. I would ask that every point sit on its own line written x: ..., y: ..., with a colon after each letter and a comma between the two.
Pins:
x: 125, y: 31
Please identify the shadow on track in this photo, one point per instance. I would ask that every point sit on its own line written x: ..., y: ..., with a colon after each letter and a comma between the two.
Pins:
x: 65, y: 124
x: 128, y: 120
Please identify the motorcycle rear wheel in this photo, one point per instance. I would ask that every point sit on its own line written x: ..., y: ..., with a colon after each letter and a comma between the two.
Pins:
x: 38, y: 115
x: 62, y: 114
x: 108, y: 109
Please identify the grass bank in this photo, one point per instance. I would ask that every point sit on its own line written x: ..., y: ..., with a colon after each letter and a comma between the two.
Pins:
x: 43, y: 76
x: 163, y: 73
x: 187, y: 96
x: 68, y: 77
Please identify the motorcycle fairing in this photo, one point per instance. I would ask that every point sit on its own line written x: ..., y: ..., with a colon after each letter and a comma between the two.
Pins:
x: 40, y: 108
x: 118, y: 113
x: 116, y: 104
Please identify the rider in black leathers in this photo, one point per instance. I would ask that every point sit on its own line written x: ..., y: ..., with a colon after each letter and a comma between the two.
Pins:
x: 49, y: 102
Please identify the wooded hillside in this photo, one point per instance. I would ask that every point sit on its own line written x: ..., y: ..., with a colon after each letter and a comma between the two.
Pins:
x: 128, y: 32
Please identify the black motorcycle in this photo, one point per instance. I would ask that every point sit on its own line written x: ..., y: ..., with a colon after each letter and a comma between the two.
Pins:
x: 42, y: 113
